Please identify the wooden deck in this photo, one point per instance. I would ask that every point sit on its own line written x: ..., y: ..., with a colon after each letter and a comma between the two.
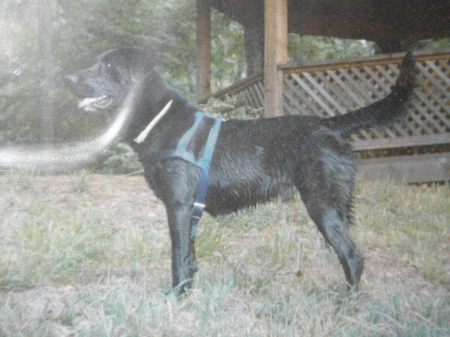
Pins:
x: 332, y: 88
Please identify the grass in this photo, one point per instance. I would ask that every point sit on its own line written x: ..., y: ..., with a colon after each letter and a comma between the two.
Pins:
x: 54, y: 246
x: 89, y: 256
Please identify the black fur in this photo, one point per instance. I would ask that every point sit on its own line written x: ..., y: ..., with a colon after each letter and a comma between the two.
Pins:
x: 253, y: 160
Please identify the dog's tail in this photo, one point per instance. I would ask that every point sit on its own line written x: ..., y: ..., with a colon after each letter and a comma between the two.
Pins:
x: 381, y: 112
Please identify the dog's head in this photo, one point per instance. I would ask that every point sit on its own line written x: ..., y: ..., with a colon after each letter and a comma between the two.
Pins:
x: 103, y: 85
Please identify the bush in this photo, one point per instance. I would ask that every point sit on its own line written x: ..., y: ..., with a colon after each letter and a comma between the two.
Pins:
x: 121, y: 159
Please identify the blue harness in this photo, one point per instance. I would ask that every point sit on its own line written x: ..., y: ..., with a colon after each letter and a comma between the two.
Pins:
x: 203, y: 163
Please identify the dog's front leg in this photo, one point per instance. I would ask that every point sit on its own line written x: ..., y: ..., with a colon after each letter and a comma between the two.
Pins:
x: 179, y: 180
x: 184, y: 264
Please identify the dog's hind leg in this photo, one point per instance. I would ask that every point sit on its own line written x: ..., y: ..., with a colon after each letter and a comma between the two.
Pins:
x: 337, y: 234
x: 326, y: 192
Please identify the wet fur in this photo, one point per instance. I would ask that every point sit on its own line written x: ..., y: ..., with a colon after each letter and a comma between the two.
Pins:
x: 253, y: 161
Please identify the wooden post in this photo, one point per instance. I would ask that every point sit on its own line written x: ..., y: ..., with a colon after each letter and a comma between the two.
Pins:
x: 275, y: 53
x: 203, y: 49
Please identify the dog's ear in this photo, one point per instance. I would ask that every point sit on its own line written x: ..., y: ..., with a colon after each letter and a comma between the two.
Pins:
x: 141, y: 59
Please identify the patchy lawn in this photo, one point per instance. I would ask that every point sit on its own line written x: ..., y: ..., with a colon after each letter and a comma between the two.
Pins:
x: 89, y: 255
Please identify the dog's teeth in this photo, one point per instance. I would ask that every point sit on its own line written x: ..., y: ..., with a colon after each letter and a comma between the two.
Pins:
x: 86, y: 102
x: 89, y: 103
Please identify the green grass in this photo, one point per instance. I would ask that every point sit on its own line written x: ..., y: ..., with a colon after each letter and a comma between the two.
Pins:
x: 52, y: 245
x: 90, y: 256
x: 413, y: 221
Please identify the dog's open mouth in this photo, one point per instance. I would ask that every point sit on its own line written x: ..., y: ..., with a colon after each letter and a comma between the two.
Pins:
x: 92, y: 104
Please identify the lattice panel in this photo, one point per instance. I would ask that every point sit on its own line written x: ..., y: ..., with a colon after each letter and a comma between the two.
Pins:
x: 337, y: 89
x: 253, y: 95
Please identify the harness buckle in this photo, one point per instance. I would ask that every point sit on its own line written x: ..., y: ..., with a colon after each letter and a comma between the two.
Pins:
x: 198, y: 210
x: 199, y: 205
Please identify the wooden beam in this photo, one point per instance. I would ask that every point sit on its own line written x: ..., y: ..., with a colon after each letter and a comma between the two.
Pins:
x: 275, y: 54
x: 203, y: 49
x: 407, y: 169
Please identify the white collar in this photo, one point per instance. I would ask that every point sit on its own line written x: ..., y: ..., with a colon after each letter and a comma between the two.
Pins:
x: 139, y: 139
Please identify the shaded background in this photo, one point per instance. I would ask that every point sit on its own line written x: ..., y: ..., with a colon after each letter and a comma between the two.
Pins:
x: 42, y: 40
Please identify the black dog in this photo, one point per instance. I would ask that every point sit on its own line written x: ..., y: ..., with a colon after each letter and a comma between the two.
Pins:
x: 253, y: 160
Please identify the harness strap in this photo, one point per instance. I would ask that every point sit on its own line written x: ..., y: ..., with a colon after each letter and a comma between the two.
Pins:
x: 204, y: 163
x: 181, y: 149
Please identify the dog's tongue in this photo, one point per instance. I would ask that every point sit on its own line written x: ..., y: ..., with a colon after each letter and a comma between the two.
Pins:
x: 87, y: 103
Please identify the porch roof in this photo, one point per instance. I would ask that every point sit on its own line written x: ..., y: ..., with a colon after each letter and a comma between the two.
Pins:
x: 382, y: 21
